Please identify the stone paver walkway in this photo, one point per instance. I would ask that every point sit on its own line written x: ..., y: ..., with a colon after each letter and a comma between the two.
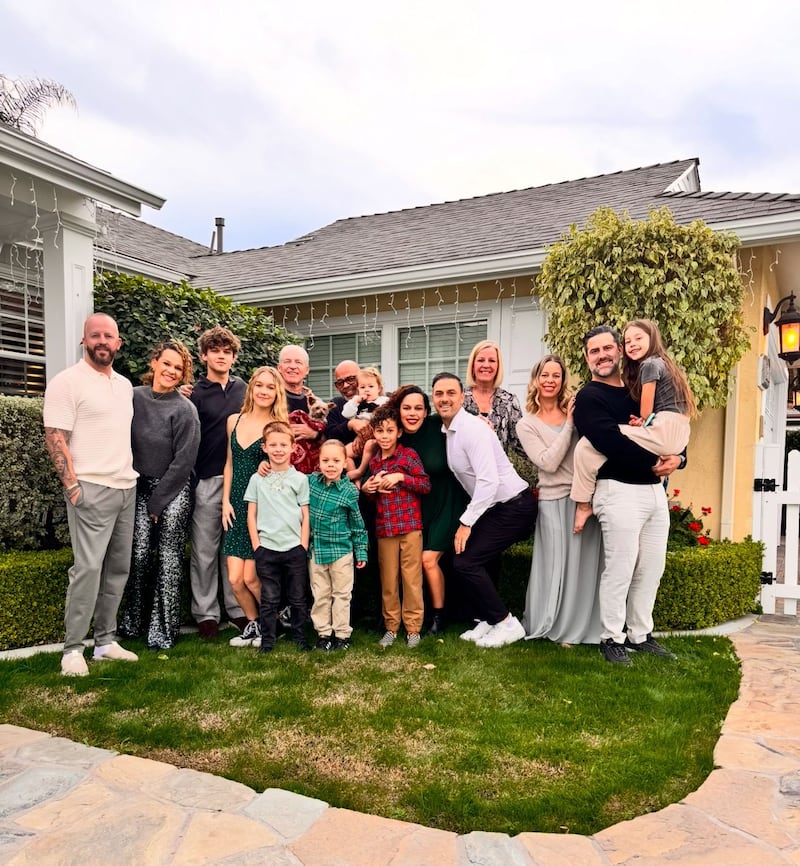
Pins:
x: 63, y: 803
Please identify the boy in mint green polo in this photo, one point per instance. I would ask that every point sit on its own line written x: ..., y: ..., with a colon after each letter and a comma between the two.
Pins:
x: 277, y: 520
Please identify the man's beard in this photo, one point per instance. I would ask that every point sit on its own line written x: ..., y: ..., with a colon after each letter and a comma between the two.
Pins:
x: 101, y: 362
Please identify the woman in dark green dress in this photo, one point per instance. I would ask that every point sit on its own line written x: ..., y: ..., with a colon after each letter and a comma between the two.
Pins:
x: 446, y: 502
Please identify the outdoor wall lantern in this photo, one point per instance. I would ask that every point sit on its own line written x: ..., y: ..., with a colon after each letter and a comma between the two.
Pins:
x: 788, y: 326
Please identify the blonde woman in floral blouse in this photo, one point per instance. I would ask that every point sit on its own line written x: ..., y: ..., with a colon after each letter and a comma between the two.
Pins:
x: 483, y: 395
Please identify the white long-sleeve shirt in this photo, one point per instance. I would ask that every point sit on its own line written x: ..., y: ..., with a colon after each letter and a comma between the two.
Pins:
x: 476, y: 457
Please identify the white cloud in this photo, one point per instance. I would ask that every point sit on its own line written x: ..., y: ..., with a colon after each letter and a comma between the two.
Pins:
x: 282, y: 119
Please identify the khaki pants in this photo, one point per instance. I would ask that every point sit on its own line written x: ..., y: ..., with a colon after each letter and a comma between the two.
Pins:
x: 400, y: 559
x: 332, y: 588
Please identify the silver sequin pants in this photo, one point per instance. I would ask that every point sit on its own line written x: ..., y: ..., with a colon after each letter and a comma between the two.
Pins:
x: 152, y: 601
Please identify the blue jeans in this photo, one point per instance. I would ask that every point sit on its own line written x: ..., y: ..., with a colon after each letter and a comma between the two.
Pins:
x: 287, y: 569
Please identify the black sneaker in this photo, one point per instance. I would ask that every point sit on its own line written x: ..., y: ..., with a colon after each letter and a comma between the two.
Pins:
x: 650, y: 645
x: 341, y: 643
x: 614, y: 652
x: 324, y: 643
x: 303, y: 645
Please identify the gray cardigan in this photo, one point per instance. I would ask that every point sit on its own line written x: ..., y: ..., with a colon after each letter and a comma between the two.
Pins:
x: 165, y: 437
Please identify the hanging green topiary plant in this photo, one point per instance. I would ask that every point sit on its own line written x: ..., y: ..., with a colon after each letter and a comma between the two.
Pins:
x: 683, y: 277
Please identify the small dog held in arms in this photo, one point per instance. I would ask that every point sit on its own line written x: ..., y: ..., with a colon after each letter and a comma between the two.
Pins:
x: 305, y: 454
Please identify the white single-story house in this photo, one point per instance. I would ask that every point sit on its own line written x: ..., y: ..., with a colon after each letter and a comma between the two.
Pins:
x: 410, y: 291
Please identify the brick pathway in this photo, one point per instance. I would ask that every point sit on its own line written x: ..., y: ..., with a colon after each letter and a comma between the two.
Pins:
x: 62, y: 803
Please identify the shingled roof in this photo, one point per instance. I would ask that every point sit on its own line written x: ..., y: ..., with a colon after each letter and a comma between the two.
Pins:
x: 138, y: 240
x: 481, y: 227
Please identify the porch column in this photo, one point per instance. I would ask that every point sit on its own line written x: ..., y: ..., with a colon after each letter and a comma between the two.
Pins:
x: 67, y: 247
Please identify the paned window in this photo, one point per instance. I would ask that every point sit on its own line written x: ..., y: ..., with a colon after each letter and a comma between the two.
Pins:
x: 22, y: 356
x: 326, y: 352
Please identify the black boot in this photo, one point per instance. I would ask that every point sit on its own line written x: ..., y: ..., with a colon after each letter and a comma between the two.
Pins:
x: 437, y: 625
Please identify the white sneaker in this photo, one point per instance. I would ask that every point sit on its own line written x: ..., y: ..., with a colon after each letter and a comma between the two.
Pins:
x: 474, y: 634
x: 114, y: 652
x: 508, y: 631
x: 73, y: 664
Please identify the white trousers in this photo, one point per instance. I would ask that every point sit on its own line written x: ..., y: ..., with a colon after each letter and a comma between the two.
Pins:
x: 634, y: 520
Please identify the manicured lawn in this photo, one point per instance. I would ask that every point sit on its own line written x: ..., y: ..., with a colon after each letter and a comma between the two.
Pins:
x: 530, y: 737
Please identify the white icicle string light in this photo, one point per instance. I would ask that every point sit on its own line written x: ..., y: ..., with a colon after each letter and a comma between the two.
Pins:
x: 285, y: 317
x: 35, y: 227
x: 311, y: 327
x: 513, y: 300
x: 375, y: 320
x: 408, y: 321
x: 500, y: 293
x: 296, y: 316
x: 441, y: 299
x: 424, y: 323
x: 775, y: 263
x: 456, y: 307
x: 323, y: 321
x: 11, y: 191
x: 364, y: 309
x: 477, y: 299
x: 391, y: 304
x: 347, y: 313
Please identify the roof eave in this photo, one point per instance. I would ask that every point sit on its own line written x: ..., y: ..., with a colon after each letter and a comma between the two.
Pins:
x: 108, y: 261
x: 507, y: 265
x: 758, y: 231
x: 26, y: 154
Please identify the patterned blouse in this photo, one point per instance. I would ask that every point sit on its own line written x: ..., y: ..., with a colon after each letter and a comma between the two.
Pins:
x: 503, y: 416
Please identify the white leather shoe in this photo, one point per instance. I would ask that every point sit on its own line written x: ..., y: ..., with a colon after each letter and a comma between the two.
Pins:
x: 115, y: 653
x: 508, y: 631
x: 477, y: 632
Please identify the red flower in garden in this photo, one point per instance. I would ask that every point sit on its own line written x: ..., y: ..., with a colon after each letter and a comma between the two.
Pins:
x: 676, y: 493
x: 706, y: 510
x: 695, y: 527
x: 703, y: 540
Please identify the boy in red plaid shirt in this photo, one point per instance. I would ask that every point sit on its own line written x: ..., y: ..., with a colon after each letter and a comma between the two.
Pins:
x: 397, y: 480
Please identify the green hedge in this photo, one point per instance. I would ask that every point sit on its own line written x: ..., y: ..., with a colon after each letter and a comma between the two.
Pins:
x: 33, y: 585
x: 701, y: 587
x: 32, y: 510
x: 704, y: 586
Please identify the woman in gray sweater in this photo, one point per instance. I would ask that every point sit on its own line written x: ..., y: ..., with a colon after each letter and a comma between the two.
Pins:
x: 165, y: 437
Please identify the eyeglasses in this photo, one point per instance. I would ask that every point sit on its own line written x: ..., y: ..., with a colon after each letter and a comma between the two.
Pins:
x: 348, y: 380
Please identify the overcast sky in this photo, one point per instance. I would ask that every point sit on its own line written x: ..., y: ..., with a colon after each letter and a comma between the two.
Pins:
x: 284, y: 117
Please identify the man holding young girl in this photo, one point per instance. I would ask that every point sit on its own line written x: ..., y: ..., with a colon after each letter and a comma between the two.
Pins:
x: 629, y: 502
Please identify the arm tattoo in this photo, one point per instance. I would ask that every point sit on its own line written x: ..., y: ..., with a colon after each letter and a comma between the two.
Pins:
x: 57, y: 442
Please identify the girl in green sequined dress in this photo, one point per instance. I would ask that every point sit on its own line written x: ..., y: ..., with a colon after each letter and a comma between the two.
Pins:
x: 264, y: 401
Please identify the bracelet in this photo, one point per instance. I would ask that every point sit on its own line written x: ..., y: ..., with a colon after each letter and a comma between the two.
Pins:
x: 75, y: 486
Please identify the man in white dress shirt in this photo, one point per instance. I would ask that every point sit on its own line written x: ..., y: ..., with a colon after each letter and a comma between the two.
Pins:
x: 502, y: 510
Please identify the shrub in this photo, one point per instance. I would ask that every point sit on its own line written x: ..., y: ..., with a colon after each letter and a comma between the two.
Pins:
x: 32, y: 510
x: 704, y: 586
x: 148, y: 313
x: 33, y: 585
x: 682, y: 276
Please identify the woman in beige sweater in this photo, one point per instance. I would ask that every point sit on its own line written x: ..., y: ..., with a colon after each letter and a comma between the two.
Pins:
x: 561, y: 600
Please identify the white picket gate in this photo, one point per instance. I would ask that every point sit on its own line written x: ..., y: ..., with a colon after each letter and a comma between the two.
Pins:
x: 789, y: 590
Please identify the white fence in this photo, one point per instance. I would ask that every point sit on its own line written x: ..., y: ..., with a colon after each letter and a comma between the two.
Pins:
x: 790, y: 497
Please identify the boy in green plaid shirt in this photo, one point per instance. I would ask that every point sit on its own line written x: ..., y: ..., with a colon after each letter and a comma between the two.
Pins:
x: 337, y: 533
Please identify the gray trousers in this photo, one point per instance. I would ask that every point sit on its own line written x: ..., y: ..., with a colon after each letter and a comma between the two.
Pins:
x: 101, y: 532
x: 208, y: 564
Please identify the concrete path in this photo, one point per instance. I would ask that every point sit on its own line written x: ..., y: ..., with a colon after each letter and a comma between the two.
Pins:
x: 64, y: 803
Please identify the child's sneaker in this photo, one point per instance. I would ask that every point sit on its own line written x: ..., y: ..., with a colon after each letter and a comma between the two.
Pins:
x: 324, y: 643
x: 341, y: 643
x: 251, y: 634
x: 387, y: 640
x: 412, y: 641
